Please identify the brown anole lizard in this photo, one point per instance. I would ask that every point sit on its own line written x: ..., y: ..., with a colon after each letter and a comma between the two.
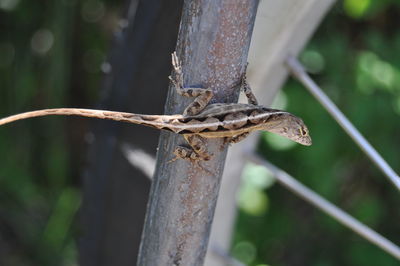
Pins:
x: 200, y: 120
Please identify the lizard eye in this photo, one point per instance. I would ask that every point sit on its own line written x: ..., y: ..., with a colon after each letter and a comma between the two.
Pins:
x: 303, y: 131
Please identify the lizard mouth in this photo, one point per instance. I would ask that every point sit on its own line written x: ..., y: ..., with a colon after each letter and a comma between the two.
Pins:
x: 305, y: 141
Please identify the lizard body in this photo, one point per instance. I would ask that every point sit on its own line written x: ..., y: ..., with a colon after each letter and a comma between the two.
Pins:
x: 232, y: 121
x: 216, y: 121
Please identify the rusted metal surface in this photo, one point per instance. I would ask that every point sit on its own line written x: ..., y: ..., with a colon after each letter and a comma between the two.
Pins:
x: 282, y: 27
x: 213, y: 43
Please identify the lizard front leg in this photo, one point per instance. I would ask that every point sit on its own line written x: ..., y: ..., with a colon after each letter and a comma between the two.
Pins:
x: 203, y: 96
x: 235, y: 139
x: 198, y: 151
x: 251, y: 98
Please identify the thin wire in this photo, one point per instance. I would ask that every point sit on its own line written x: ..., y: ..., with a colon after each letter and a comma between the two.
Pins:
x: 298, y: 72
x: 336, y: 213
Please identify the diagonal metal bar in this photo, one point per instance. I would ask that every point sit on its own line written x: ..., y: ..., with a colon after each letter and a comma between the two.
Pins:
x: 336, y: 213
x: 299, y: 72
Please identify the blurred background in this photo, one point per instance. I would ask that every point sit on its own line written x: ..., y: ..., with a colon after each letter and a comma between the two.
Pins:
x: 58, y: 54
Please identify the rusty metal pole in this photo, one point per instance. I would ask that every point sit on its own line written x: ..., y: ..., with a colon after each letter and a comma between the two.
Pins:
x: 213, y: 44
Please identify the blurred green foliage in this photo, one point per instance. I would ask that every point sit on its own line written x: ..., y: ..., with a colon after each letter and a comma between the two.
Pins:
x: 355, y: 57
x: 51, y: 55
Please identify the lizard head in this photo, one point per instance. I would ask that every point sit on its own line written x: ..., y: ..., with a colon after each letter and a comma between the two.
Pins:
x: 291, y: 127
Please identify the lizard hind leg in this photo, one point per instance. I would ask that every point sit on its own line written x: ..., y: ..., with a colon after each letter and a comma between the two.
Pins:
x: 199, y: 147
x: 181, y: 152
x: 203, y: 96
x: 190, y: 155
x: 197, y: 152
x: 177, y: 80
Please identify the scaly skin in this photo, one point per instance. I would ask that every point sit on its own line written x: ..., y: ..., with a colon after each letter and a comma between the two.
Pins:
x: 233, y: 121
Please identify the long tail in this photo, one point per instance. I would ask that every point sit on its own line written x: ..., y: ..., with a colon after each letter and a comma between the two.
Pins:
x: 156, y: 121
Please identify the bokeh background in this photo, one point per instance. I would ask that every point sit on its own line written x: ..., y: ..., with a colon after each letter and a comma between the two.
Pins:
x: 52, y: 54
